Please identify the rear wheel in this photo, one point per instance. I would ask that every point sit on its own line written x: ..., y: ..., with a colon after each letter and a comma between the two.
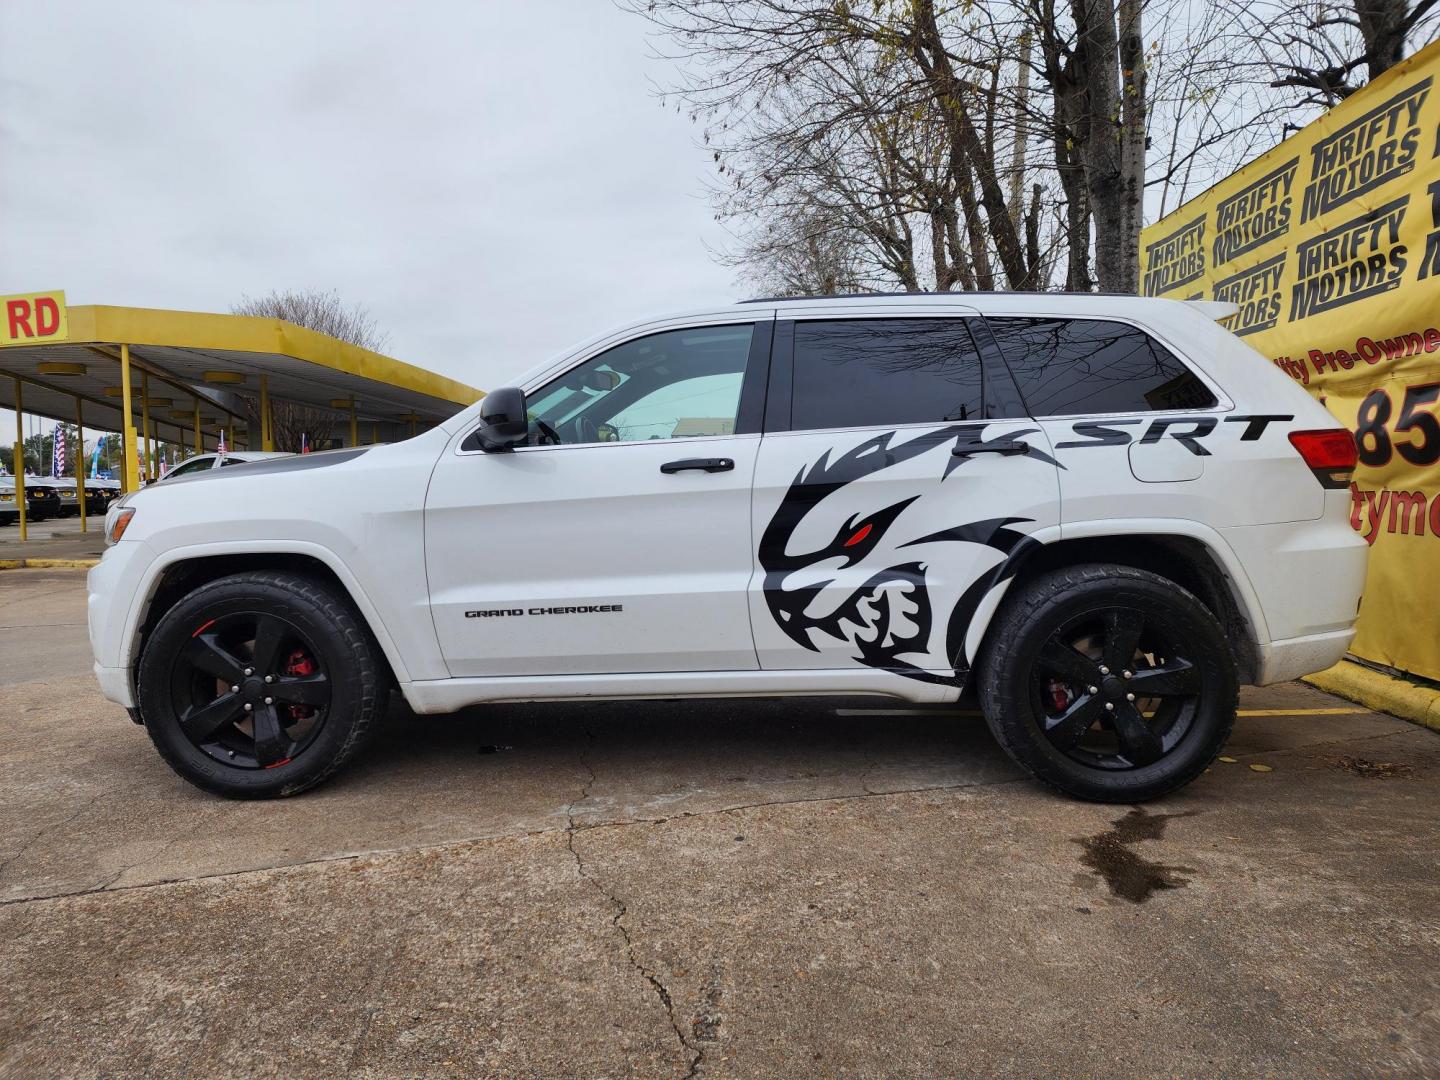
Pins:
x: 260, y: 685
x: 1109, y: 683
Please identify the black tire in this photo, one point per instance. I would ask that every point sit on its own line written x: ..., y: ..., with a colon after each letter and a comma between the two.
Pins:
x: 323, y: 701
x: 1050, y: 691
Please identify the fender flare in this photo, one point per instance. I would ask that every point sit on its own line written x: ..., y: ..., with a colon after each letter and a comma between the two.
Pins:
x: 173, y: 556
x: 1243, y: 590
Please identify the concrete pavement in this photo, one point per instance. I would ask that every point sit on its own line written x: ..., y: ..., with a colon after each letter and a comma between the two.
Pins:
x: 738, y: 889
x: 54, y: 538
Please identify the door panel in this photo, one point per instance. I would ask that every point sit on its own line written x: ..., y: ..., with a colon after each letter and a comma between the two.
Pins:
x: 514, y: 540
x: 619, y: 540
x: 876, y: 547
x: 881, y: 528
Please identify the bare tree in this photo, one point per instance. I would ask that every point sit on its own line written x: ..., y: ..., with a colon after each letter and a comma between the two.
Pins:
x: 316, y: 310
x: 293, y: 423
x: 954, y: 97
x: 1325, y: 49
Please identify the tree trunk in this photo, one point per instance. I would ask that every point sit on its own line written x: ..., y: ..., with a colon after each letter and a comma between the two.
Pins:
x: 1133, y: 102
x: 1097, y: 69
x: 1383, y: 26
x: 934, y: 61
x: 1022, y: 126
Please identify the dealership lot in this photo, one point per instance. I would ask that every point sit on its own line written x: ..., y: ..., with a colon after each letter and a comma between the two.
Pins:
x: 730, y: 888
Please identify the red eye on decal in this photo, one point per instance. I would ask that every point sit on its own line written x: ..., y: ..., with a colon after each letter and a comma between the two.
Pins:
x: 860, y: 534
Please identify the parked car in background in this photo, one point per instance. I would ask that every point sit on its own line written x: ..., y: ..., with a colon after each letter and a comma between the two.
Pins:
x: 98, y: 494
x: 42, y: 498
x: 201, y: 462
x: 9, y: 509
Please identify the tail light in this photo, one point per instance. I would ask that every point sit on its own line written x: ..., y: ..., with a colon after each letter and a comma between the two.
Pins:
x: 1329, y: 453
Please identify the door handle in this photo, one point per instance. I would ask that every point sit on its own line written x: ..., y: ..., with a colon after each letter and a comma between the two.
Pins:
x: 705, y: 464
x: 1006, y: 449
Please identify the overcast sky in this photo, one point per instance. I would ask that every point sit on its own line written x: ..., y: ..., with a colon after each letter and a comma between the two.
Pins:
x: 494, y: 180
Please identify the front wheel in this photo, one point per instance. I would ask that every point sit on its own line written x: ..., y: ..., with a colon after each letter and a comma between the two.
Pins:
x: 260, y: 685
x: 1110, y: 683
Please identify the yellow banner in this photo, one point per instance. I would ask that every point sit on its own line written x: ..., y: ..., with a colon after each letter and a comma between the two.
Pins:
x: 33, y: 318
x: 1330, y: 245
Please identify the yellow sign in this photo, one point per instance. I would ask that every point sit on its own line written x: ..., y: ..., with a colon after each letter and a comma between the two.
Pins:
x: 1330, y: 245
x: 33, y: 318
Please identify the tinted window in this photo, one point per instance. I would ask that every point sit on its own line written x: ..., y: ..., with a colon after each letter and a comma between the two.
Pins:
x: 191, y: 466
x: 883, y: 372
x: 1073, y: 366
x: 676, y: 384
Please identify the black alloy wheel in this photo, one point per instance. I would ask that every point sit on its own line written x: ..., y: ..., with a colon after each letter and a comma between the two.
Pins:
x: 1113, y: 688
x: 1108, y: 682
x: 249, y: 691
x: 261, y: 684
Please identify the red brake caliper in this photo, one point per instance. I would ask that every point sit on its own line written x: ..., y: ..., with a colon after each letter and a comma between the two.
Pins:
x: 1059, y: 695
x: 297, y: 663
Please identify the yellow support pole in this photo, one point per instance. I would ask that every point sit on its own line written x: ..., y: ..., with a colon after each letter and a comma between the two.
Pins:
x: 145, y: 422
x: 20, y: 457
x: 199, y: 447
x: 267, y: 437
x: 354, y: 428
x: 130, y: 470
x: 80, y: 459
x: 375, y: 433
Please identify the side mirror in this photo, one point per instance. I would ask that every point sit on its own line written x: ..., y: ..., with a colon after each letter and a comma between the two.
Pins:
x: 503, y: 422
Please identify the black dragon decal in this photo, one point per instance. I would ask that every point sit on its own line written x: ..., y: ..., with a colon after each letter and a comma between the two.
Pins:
x: 889, y: 616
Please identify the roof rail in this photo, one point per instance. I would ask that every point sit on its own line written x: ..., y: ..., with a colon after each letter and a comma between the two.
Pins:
x: 957, y: 293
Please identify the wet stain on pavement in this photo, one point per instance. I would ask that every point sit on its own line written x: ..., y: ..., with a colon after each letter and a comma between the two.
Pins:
x: 1373, y: 769
x: 1128, y: 874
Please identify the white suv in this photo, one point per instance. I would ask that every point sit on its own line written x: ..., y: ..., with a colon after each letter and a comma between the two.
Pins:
x: 1101, y: 513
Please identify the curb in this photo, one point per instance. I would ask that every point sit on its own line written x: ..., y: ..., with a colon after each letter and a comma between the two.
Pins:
x: 1385, y: 693
x: 48, y: 564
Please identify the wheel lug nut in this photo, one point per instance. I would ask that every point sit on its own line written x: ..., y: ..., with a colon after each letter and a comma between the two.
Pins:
x: 271, y: 700
x: 1094, y: 689
x: 248, y: 706
x: 1129, y: 697
x: 249, y: 671
x: 1127, y: 674
x: 271, y: 678
x: 1103, y: 670
x: 234, y: 689
x: 1109, y: 706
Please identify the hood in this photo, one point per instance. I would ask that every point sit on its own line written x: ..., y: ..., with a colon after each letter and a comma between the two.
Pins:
x: 294, y: 463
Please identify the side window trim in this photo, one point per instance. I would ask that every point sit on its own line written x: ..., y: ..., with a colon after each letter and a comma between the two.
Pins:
x: 1000, y: 393
x: 782, y: 378
x: 1223, y: 401
x: 754, y: 386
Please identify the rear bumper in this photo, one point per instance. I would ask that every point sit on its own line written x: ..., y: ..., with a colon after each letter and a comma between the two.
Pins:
x: 1290, y: 658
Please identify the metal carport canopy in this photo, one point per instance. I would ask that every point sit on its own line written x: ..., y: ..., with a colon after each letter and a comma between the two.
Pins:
x: 178, y: 349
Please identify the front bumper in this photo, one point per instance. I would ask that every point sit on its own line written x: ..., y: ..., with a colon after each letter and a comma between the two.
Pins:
x: 116, y: 685
x: 113, y: 598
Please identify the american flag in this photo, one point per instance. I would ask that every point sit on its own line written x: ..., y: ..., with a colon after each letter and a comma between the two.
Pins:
x: 57, y: 452
x: 221, y: 448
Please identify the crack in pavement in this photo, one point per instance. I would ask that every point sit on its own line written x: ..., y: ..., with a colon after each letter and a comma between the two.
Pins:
x: 50, y: 828
x: 618, y: 922
x: 626, y: 823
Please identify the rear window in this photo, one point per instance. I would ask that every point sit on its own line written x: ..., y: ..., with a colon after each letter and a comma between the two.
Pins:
x: 1068, y: 367
x: 884, y: 372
